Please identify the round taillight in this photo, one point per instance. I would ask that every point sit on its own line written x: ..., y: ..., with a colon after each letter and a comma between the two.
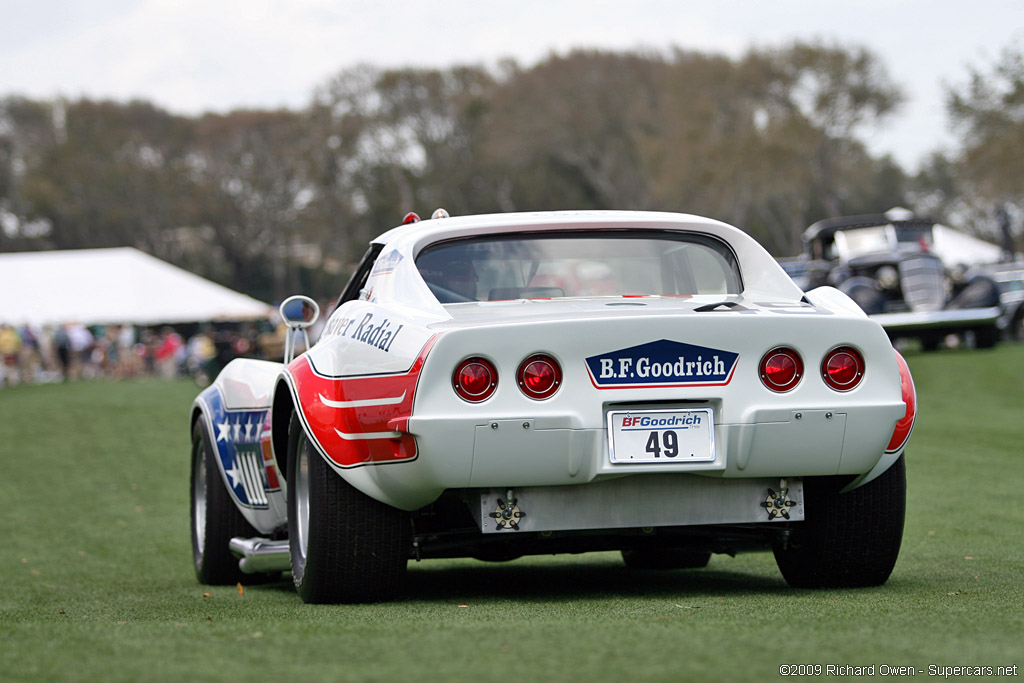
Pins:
x: 475, y: 379
x: 539, y: 376
x: 843, y: 368
x: 781, y: 369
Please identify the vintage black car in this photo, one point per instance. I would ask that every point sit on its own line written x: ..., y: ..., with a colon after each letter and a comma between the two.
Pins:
x: 888, y: 266
x: 1010, y: 278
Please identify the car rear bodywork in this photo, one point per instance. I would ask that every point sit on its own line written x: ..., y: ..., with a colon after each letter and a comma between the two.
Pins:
x: 505, y: 469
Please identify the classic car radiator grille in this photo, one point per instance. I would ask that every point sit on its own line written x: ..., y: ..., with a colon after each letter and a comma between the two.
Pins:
x: 924, y: 283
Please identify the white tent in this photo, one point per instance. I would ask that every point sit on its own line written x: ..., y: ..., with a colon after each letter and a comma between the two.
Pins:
x: 955, y: 247
x: 952, y: 246
x: 111, y: 286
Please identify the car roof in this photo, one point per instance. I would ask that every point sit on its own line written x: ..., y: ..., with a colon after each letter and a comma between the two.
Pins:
x: 437, y: 229
x: 396, y: 279
x: 825, y: 229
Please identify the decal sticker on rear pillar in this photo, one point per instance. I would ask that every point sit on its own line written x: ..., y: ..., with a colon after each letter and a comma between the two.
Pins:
x: 662, y: 363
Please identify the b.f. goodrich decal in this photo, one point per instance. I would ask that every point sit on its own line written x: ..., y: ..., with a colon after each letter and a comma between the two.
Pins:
x: 662, y: 363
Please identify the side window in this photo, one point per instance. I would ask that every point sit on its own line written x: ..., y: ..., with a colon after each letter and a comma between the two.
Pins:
x: 362, y: 274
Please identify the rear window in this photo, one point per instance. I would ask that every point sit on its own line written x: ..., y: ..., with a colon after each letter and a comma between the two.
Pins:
x: 557, y: 265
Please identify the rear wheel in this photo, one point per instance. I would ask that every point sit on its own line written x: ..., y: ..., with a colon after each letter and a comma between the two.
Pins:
x: 345, y: 546
x: 215, y: 518
x: 665, y: 558
x: 848, y: 540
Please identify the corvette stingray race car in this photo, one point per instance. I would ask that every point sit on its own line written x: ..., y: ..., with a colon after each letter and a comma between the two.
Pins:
x: 505, y: 385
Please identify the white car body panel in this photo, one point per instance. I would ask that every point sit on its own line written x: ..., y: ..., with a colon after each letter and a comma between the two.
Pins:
x: 375, y: 392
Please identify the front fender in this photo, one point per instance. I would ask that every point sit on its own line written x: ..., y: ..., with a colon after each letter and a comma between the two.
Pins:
x: 981, y: 291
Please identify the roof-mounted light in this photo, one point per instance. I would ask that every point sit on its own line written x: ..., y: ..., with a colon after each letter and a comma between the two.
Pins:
x: 439, y: 213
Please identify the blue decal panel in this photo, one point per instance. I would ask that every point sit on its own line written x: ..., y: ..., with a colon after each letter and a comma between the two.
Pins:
x: 662, y: 363
x: 237, y: 436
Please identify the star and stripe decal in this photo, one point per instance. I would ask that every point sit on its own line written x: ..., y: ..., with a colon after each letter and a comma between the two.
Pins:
x: 242, y: 441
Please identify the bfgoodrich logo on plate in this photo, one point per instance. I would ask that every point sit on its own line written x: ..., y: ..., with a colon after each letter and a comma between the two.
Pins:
x: 662, y: 363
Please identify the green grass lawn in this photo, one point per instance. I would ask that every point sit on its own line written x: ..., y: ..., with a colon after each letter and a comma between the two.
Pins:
x: 96, y: 582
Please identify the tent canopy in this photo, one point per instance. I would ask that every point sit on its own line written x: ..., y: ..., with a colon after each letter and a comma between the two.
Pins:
x: 112, y: 286
x: 955, y: 247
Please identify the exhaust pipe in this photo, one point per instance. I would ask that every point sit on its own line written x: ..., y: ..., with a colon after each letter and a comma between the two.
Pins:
x: 261, y: 555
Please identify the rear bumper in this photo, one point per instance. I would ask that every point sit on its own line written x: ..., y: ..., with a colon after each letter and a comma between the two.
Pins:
x: 463, y: 453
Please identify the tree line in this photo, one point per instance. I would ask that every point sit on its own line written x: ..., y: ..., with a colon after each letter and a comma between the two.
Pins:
x: 271, y: 202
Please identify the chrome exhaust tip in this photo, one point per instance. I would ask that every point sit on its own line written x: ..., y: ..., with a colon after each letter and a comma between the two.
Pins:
x: 261, y: 555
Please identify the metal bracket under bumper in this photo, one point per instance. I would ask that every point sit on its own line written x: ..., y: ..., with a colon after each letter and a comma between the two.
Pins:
x: 641, y: 501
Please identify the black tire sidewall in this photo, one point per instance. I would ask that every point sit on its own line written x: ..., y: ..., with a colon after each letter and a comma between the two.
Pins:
x: 848, y: 540
x: 356, y: 546
x: 213, y: 561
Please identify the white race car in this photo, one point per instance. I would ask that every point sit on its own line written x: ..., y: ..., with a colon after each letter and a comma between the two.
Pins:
x: 504, y: 385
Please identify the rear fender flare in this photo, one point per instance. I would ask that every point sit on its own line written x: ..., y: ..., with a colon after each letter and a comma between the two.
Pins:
x: 281, y: 410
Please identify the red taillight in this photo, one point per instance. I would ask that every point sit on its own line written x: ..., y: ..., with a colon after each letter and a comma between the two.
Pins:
x: 781, y: 369
x: 475, y: 379
x: 901, y: 434
x: 539, y: 376
x: 842, y: 368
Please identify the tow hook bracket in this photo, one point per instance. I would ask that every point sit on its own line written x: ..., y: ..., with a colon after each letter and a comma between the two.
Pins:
x: 508, y: 513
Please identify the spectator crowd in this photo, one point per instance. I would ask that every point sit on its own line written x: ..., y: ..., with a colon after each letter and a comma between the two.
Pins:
x: 73, y: 351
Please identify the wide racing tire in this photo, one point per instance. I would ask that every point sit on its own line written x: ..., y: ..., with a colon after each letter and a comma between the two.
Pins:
x: 215, y: 517
x: 345, y: 546
x: 665, y: 558
x: 848, y: 540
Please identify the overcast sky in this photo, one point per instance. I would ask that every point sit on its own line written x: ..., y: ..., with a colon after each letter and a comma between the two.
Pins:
x: 191, y: 56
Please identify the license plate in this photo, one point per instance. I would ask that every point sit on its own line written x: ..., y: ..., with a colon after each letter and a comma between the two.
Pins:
x: 661, y: 436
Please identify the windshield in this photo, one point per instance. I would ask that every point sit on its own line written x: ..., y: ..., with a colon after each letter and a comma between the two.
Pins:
x: 557, y: 265
x: 853, y: 243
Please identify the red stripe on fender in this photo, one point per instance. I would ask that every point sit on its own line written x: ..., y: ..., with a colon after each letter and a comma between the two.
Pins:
x: 901, y: 433
x: 349, y: 416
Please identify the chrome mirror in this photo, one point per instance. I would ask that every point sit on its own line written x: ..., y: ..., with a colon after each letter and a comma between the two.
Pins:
x: 298, y: 313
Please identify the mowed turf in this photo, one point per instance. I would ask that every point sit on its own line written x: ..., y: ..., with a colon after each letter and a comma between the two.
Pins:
x: 96, y: 582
